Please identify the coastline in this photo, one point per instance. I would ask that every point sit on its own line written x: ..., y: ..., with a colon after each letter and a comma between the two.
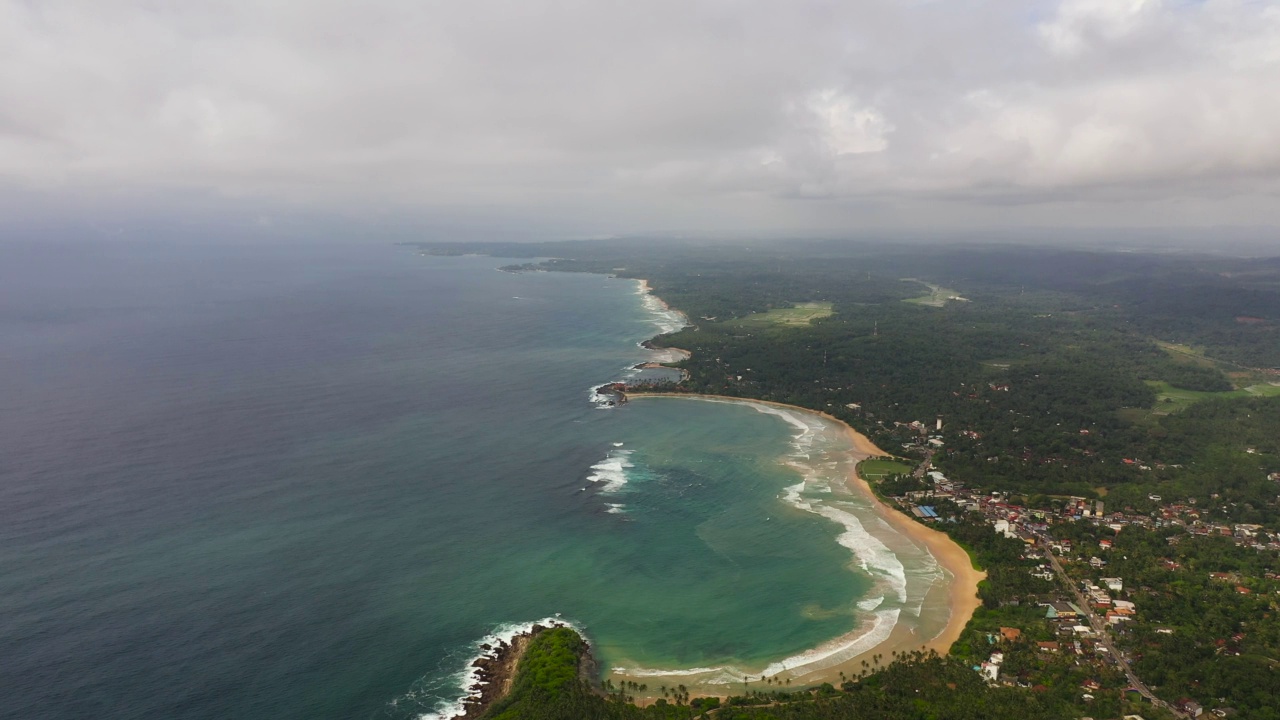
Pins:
x: 961, y: 590
x: 492, y: 674
x: 662, y: 355
x: 952, y: 600
x: 495, y: 674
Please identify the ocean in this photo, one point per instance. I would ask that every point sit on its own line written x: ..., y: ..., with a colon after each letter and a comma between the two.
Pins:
x: 308, y: 481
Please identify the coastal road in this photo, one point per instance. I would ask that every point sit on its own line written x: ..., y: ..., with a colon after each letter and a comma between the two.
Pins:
x: 1104, y: 637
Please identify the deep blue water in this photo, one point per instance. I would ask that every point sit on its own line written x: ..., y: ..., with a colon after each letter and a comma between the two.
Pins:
x: 303, y: 482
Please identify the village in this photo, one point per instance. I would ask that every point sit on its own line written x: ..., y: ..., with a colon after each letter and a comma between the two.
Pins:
x: 1068, y: 547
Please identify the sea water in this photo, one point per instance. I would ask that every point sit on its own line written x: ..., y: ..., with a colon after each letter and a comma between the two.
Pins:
x: 309, y: 481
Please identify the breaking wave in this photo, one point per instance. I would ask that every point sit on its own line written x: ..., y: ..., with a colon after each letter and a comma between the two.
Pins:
x: 611, y: 472
x: 873, y: 631
x: 446, y: 698
x: 662, y: 316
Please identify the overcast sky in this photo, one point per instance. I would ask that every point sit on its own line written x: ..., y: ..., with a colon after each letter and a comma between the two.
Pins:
x: 601, y: 117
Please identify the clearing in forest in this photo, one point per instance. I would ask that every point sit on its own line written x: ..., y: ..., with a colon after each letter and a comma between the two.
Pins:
x: 937, y: 295
x: 1170, y: 399
x: 1186, y: 353
x: 800, y: 314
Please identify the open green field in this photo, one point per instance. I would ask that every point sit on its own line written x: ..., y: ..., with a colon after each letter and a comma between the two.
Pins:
x: 800, y: 314
x: 1185, y: 353
x: 937, y: 295
x: 1171, y: 399
x: 879, y: 468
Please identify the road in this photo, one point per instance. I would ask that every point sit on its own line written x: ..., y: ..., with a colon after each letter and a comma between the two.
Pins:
x: 1104, y: 637
x: 924, y: 464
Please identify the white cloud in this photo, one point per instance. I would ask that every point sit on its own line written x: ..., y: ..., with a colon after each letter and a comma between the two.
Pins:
x: 1077, y: 24
x: 620, y: 112
x: 848, y: 128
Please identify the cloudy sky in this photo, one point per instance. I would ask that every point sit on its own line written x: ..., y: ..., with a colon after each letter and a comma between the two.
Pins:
x: 604, y: 117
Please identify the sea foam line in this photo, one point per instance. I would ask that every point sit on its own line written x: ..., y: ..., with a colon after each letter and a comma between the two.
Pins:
x: 611, y: 472
x: 664, y: 317
x: 846, y: 647
x: 872, y: 555
x: 841, y: 649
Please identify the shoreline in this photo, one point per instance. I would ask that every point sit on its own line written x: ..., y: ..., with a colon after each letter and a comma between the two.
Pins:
x: 489, y: 677
x: 673, y: 354
x: 962, y: 589
x: 495, y: 674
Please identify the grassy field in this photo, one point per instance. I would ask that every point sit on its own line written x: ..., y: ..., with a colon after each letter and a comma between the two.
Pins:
x: 1241, y: 375
x: 878, y: 468
x: 1186, y: 353
x: 801, y: 314
x: 1170, y: 399
x: 937, y: 295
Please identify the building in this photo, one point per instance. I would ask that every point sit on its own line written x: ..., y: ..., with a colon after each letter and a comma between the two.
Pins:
x: 1062, y: 611
x: 1190, y: 707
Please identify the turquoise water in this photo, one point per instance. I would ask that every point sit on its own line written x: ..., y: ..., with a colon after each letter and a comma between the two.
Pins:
x: 307, y: 482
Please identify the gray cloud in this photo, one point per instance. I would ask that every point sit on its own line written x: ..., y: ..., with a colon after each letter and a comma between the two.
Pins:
x: 614, y: 116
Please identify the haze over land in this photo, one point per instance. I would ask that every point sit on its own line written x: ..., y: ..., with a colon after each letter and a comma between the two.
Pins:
x: 546, y: 120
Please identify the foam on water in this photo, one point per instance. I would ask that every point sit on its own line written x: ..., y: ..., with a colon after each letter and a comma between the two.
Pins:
x: 664, y: 355
x: 921, y: 578
x: 461, y: 684
x: 900, y: 590
x: 806, y: 429
x: 870, y: 604
x: 666, y: 321
x: 651, y: 672
x: 876, y: 558
x: 873, y: 631
x: 599, y: 399
x: 872, y: 554
x: 842, y: 648
x: 611, y: 472
x: 662, y: 316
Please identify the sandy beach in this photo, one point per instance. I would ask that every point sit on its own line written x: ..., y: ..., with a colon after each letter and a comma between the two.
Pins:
x: 960, y: 588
